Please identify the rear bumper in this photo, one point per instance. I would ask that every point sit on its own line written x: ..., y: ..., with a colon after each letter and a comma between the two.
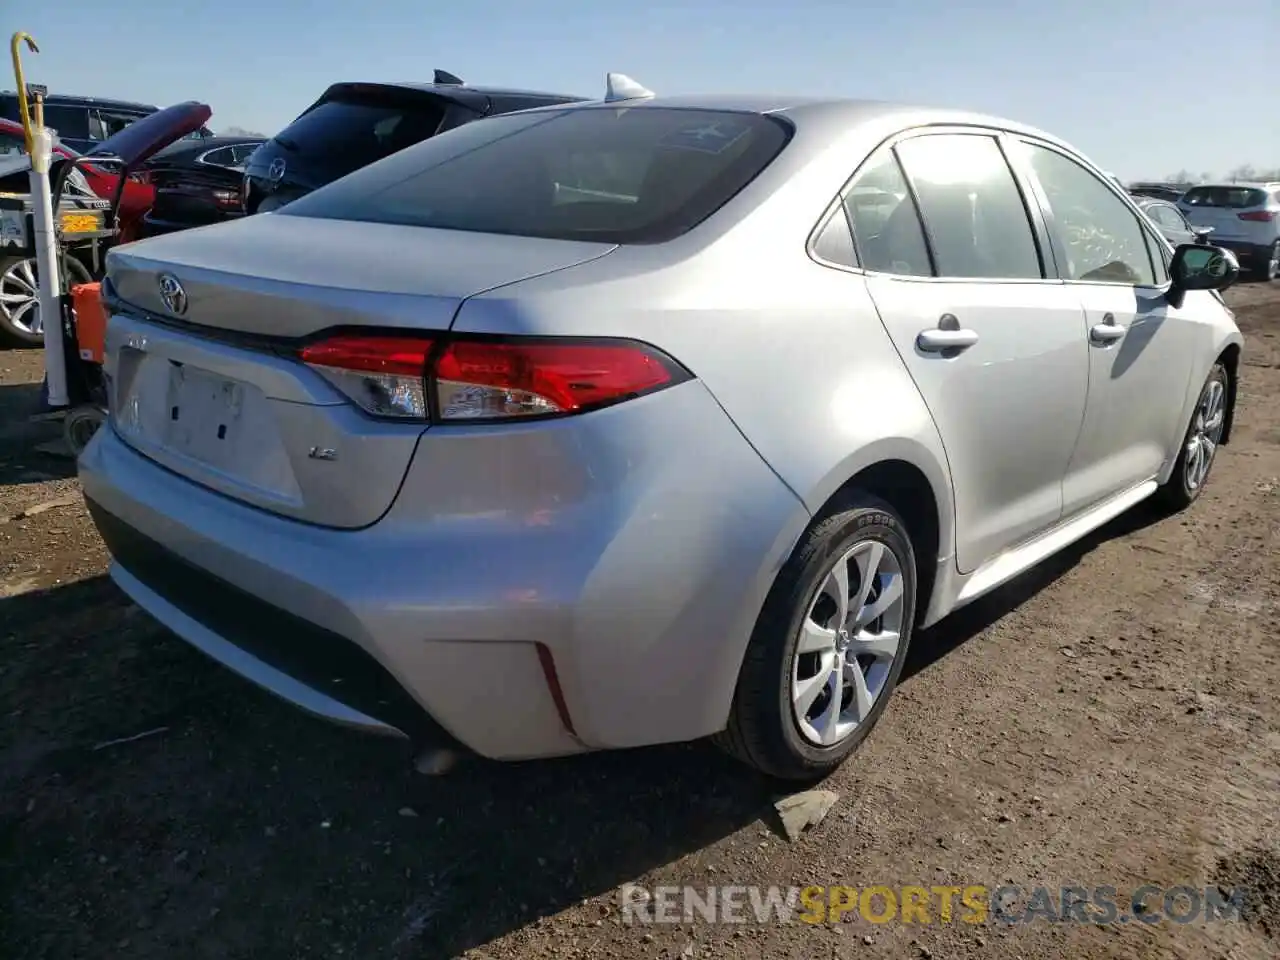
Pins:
x: 643, y: 585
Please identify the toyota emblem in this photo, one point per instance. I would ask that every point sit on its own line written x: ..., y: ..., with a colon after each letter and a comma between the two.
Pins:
x: 275, y: 172
x: 173, y: 295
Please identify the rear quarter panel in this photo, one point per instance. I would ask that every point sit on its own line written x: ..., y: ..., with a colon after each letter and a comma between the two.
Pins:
x: 794, y: 351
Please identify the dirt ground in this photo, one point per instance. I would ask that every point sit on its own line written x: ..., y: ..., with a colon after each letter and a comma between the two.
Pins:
x: 1110, y: 719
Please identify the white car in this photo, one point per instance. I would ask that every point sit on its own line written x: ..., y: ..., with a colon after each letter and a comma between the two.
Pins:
x: 1245, y: 218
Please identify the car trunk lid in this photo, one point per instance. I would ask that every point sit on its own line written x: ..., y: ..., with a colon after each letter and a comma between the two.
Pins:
x: 208, y: 384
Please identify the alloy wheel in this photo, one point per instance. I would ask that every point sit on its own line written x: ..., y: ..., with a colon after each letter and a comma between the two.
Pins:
x: 18, y: 296
x: 848, y: 642
x: 1206, y: 433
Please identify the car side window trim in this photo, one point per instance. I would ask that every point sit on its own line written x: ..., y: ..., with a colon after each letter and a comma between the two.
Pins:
x: 1033, y: 203
x: 929, y: 240
x: 914, y: 196
x: 1060, y: 253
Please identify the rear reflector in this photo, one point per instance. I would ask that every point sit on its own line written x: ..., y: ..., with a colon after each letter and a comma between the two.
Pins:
x: 487, y: 379
x: 1258, y: 216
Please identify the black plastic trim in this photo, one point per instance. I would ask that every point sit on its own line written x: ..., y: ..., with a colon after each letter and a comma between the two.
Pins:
x: 317, y: 657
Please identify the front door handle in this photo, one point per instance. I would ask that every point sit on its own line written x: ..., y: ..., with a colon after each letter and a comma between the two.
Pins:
x: 942, y: 341
x: 1107, y: 332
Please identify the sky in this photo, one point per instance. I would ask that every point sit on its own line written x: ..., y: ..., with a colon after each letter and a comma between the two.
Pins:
x: 1144, y: 88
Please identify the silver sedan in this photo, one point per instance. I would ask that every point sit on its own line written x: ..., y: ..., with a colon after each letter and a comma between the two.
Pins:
x: 646, y: 419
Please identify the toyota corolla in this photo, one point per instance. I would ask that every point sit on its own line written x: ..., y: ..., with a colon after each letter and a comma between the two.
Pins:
x: 646, y: 419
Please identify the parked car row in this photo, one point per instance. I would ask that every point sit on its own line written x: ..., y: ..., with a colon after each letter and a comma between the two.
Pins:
x: 1243, y: 217
x: 425, y: 449
x: 84, y: 122
x: 354, y: 124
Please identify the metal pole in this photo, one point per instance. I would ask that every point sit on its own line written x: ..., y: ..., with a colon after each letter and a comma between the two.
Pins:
x: 40, y: 147
x: 46, y: 239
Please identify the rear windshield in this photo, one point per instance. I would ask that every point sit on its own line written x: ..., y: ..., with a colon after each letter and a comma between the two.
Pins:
x: 1234, y: 197
x: 353, y: 131
x: 641, y: 175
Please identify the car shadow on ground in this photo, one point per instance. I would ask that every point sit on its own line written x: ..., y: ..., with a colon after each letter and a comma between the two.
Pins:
x: 21, y: 459
x: 235, y: 824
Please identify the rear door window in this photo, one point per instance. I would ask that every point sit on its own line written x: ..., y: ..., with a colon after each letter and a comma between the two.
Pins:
x: 115, y: 121
x: 1166, y: 216
x: 605, y: 175
x: 886, y: 226
x: 222, y: 157
x: 972, y: 208
x: 353, y: 131
x: 70, y: 122
x: 1235, y: 198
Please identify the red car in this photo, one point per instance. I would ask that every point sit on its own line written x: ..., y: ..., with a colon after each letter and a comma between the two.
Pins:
x: 138, y: 194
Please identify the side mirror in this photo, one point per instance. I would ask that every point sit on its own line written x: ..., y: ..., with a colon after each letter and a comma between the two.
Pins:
x: 1201, y: 234
x: 1199, y: 266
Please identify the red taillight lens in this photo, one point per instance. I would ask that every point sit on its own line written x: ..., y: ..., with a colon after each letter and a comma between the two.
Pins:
x: 228, y: 199
x: 478, y: 380
x: 1258, y: 216
x: 488, y: 379
x: 385, y: 376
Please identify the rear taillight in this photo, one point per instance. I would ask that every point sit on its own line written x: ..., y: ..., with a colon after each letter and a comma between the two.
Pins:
x: 227, y: 199
x: 1258, y: 216
x: 485, y: 379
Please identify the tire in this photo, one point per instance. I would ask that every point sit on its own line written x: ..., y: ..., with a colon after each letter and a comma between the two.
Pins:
x: 80, y: 425
x: 1271, y: 269
x: 273, y: 202
x: 1184, y: 486
x: 766, y: 729
x: 16, y: 321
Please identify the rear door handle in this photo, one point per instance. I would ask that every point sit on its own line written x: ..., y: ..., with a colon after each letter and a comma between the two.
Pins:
x: 1106, y: 332
x: 943, y: 341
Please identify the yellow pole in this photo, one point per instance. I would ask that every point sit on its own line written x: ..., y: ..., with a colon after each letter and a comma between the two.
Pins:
x: 15, y: 46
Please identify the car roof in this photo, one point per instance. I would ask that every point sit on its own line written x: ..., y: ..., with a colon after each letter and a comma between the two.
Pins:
x: 839, y: 112
x: 497, y: 92
x: 1245, y: 184
x: 71, y: 100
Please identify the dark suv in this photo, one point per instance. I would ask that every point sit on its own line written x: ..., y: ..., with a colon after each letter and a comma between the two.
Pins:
x: 354, y: 124
x: 84, y: 122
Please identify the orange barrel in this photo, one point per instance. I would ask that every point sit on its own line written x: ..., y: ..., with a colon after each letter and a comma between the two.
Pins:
x: 91, y: 321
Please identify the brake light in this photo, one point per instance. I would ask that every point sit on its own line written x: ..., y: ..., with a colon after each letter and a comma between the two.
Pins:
x: 1258, y: 216
x: 227, y: 199
x: 486, y: 379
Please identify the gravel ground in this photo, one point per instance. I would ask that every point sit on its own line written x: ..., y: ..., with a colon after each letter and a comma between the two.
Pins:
x: 1109, y: 719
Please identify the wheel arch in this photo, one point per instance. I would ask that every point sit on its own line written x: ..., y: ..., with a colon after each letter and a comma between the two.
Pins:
x: 917, y: 485
x: 907, y: 489
x: 1230, y: 359
x: 1226, y: 351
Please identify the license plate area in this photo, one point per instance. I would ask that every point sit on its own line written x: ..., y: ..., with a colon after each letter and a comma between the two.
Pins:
x: 76, y: 224
x: 215, y: 429
x: 203, y: 414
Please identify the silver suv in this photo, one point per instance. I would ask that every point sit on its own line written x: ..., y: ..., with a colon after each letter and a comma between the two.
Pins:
x: 1245, y: 218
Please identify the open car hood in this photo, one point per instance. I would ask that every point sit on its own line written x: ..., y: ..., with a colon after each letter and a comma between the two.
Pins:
x: 146, y: 137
